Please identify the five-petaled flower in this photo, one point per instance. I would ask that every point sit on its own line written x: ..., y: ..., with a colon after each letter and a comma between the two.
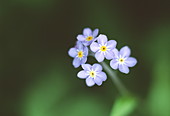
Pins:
x: 104, y: 48
x: 88, y: 36
x: 93, y: 74
x: 79, y: 53
x: 122, y: 60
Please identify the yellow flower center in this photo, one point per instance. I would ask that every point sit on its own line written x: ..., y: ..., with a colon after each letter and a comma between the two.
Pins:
x: 103, y: 48
x: 121, y: 60
x: 80, y: 54
x: 92, y: 74
x: 89, y: 38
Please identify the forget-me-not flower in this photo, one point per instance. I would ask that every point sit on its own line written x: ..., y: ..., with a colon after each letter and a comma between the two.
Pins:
x: 88, y: 36
x: 79, y: 53
x: 122, y: 61
x: 103, y: 48
x: 93, y: 74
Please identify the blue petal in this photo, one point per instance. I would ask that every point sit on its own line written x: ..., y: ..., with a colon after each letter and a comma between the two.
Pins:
x: 97, y: 67
x: 83, y: 60
x: 97, y: 80
x: 94, y: 39
x: 125, y: 51
x: 86, y: 43
x: 109, y: 55
x: 123, y: 68
x: 90, y: 81
x: 82, y: 74
x: 76, y: 62
x: 102, y: 39
x: 87, y: 32
x: 79, y: 45
x: 99, y: 56
x: 116, y: 53
x: 114, y: 64
x: 111, y: 44
x: 95, y: 32
x: 81, y: 38
x: 102, y: 76
x: 72, y: 52
x: 130, y: 62
x: 85, y: 51
x: 86, y: 67
x: 94, y: 47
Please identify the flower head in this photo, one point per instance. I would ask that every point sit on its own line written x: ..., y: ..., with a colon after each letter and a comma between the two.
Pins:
x: 88, y: 36
x: 122, y: 61
x: 103, y: 48
x: 93, y: 74
x: 79, y: 53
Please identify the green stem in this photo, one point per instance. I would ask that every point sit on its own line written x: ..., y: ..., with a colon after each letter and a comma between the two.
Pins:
x: 115, y: 79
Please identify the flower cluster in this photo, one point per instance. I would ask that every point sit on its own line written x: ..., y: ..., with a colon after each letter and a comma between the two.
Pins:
x: 102, y: 48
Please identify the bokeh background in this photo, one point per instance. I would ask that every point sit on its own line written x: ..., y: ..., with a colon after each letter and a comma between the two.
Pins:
x: 36, y: 74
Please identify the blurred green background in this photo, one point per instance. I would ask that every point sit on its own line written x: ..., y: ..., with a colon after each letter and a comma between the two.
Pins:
x: 36, y: 74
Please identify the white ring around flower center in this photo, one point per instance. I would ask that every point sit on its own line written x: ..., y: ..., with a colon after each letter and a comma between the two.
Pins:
x: 121, y: 60
x: 89, y: 38
x: 103, y: 48
x: 92, y: 74
x: 80, y: 54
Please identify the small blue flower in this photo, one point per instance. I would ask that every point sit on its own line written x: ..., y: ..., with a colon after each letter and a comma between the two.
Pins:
x: 104, y: 48
x: 122, y: 60
x: 93, y: 74
x: 88, y: 36
x: 79, y: 53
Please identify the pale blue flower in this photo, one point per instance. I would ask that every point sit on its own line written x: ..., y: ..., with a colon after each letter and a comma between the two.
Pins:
x: 93, y: 74
x: 103, y: 48
x: 88, y: 36
x: 79, y: 53
x: 122, y: 61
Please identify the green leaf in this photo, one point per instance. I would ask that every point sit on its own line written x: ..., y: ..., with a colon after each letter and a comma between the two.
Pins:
x: 81, y: 105
x: 159, y: 96
x: 124, y: 106
x: 49, y: 89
